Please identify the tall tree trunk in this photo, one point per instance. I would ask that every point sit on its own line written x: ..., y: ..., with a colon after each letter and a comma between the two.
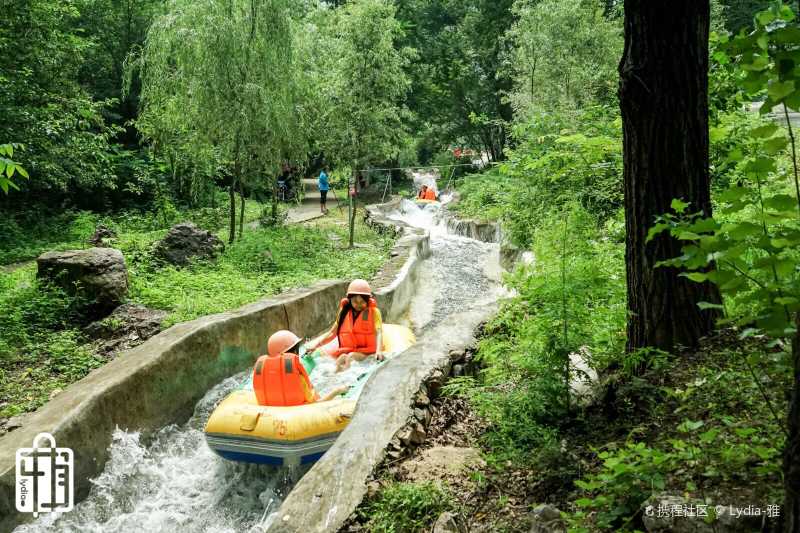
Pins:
x: 351, y: 212
x: 232, y: 195
x: 791, y: 453
x: 274, y: 200
x: 663, y: 92
x: 241, y: 210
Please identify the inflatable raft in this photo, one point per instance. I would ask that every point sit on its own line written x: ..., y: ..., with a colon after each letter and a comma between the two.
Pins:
x: 419, y: 201
x: 241, y: 430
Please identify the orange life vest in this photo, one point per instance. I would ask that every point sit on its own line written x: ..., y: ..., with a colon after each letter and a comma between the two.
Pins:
x: 278, y: 381
x: 357, y: 335
x: 422, y: 194
x: 430, y: 195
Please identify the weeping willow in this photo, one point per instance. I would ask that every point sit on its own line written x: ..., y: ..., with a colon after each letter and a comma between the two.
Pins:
x: 220, y: 81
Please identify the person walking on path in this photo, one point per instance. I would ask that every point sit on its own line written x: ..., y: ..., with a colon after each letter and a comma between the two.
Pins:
x: 324, y: 187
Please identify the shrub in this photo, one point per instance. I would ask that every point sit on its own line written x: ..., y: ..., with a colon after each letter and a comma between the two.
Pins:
x: 406, y: 508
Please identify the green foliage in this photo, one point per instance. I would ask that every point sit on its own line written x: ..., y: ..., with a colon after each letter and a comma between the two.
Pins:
x: 734, y: 442
x: 571, y: 301
x: 406, y: 508
x: 557, y: 160
x: 263, y: 262
x: 361, y: 106
x: 460, y: 82
x: 39, y: 350
x: 9, y: 167
x: 564, y: 55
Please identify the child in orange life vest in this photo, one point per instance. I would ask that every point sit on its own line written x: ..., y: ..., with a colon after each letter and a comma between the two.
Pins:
x: 280, y: 380
x: 426, y: 193
x: 358, y: 327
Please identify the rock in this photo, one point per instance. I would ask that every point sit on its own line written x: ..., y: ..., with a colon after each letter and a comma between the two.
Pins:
x: 405, y: 436
x: 127, y: 320
x: 442, y: 463
x: 418, y: 433
x: 186, y: 241
x: 13, y: 423
x: 456, y: 356
x: 54, y: 393
x: 97, y: 274
x: 547, y: 519
x: 127, y: 326
x: 546, y: 513
x: 446, y: 523
x: 101, y: 235
x: 421, y: 399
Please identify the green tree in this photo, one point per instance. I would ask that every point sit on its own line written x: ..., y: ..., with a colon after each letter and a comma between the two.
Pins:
x: 113, y: 29
x: 44, y: 108
x: 218, y: 81
x: 366, y: 86
x: 459, y: 91
x: 564, y: 54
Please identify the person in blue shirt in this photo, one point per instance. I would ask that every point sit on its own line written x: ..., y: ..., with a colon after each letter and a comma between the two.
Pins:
x: 324, y: 186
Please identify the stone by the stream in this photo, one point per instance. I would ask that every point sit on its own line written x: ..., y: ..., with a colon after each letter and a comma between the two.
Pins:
x: 127, y: 326
x: 97, y: 274
x: 547, y: 519
x: 185, y: 242
x: 447, y: 523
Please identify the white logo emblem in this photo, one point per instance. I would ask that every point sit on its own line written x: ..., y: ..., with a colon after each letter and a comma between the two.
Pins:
x: 44, y: 477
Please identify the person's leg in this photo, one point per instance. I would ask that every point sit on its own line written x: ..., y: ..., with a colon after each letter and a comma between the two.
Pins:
x: 344, y: 361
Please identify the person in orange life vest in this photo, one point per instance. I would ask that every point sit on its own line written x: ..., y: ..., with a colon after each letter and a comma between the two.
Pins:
x: 280, y: 380
x: 426, y: 193
x: 358, y: 327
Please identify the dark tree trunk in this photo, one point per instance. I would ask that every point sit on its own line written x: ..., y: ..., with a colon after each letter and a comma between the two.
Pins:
x: 232, y: 195
x: 663, y: 92
x: 791, y: 453
x: 241, y: 209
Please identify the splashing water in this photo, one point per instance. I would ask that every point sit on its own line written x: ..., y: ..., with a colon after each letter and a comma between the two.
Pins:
x: 461, y: 273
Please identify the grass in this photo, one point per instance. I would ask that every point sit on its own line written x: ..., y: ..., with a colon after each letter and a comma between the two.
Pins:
x: 42, y: 347
x: 405, y: 508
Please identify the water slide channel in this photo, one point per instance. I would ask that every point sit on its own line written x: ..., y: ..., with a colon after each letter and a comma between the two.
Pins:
x: 175, y: 483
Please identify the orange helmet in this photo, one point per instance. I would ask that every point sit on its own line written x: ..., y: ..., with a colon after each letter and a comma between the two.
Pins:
x: 281, y: 341
x: 359, y: 286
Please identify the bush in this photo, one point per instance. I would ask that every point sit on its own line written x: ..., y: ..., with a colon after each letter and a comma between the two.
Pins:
x: 570, y: 301
x: 406, y: 508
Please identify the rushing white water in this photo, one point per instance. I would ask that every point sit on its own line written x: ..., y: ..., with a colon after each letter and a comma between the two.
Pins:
x: 175, y: 483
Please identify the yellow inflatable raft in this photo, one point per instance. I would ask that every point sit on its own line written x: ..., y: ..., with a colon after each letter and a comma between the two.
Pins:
x: 241, y: 430
x: 420, y: 201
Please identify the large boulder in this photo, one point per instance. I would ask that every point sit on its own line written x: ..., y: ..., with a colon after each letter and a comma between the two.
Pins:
x: 186, y: 241
x: 97, y: 274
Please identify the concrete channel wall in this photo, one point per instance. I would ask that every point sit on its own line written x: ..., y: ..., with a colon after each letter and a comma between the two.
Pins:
x: 159, y: 382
